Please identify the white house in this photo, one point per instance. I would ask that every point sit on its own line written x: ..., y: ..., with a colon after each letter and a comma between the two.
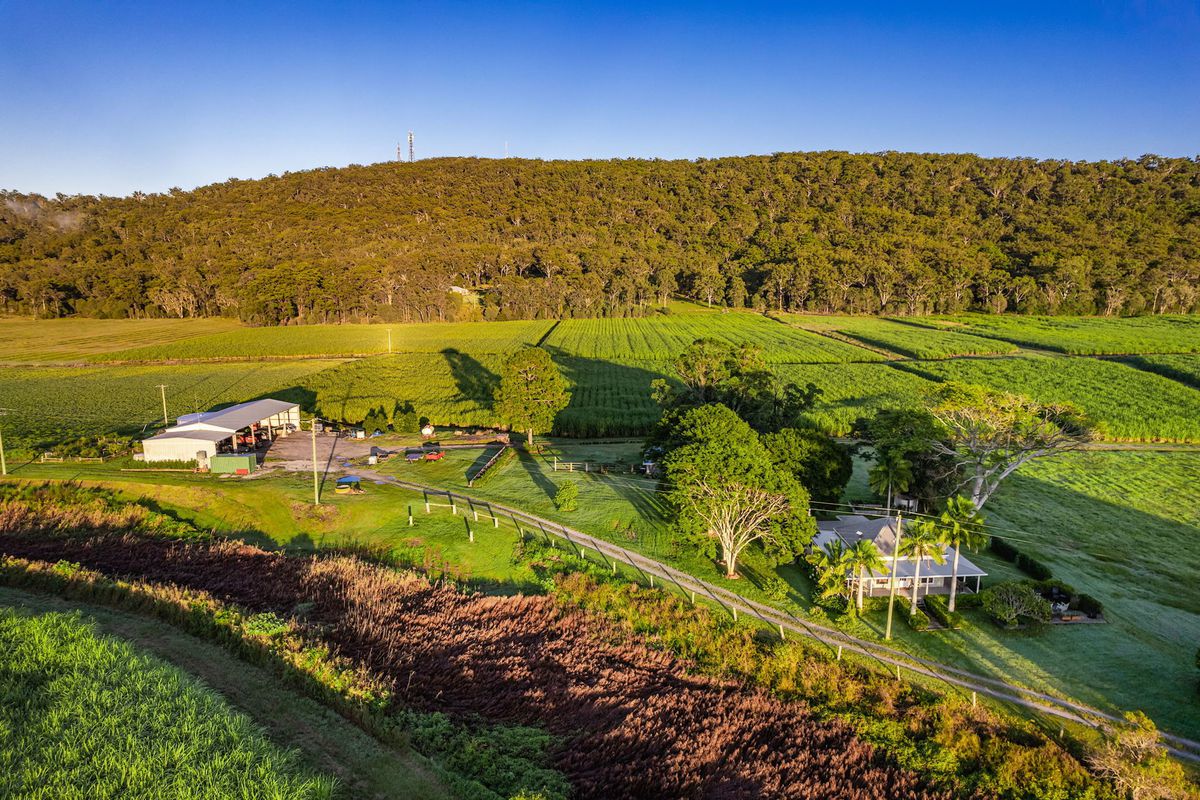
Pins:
x: 935, y: 577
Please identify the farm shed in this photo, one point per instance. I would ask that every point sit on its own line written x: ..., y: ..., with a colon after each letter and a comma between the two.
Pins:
x: 210, y: 432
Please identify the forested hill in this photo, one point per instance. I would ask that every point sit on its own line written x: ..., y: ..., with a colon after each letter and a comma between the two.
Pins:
x: 893, y: 232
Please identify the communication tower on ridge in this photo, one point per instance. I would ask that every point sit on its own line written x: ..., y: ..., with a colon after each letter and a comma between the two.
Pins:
x: 410, y: 146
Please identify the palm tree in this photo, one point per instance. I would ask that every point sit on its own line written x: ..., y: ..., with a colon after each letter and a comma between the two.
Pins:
x: 892, y: 471
x: 923, y: 541
x: 863, y: 557
x: 829, y: 561
x: 961, y: 526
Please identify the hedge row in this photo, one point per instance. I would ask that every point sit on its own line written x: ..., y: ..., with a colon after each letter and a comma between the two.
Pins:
x: 938, y: 607
x: 1027, y: 564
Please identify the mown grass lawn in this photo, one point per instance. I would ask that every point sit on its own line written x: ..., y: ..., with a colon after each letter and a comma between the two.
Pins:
x: 1122, y: 526
x: 87, y: 715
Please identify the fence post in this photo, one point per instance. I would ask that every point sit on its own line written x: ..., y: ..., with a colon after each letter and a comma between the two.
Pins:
x: 556, y: 463
x: 782, y: 637
x: 693, y: 598
x: 651, y: 580
x: 839, y: 658
x: 470, y: 533
x: 410, y: 521
x: 495, y: 521
x: 734, y: 613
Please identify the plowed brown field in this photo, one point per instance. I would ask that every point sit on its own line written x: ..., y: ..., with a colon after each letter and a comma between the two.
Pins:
x: 634, y: 722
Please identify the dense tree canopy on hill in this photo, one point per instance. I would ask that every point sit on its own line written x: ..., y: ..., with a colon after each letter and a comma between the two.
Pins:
x: 889, y: 232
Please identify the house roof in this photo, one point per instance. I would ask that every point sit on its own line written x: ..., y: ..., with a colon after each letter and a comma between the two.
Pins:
x: 234, y: 418
x: 851, y: 529
x: 194, y: 435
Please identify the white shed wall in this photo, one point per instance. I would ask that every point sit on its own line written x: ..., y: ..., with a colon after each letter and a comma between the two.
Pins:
x: 168, y: 449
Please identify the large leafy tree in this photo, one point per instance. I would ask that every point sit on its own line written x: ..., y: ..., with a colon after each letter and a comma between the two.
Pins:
x: 531, y: 392
x: 736, y: 376
x: 820, y: 464
x: 905, y: 456
x: 987, y: 434
x: 726, y: 491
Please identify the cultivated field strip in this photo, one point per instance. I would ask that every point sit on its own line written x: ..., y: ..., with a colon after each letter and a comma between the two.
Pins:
x: 1132, y: 405
x: 1085, y: 335
x: 312, y: 341
x: 902, y: 338
x: 51, y: 404
x: 833, y: 638
x: 73, y: 340
x: 662, y: 338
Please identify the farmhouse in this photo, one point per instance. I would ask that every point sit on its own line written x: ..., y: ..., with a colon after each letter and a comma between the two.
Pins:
x: 935, y: 578
x: 203, y: 435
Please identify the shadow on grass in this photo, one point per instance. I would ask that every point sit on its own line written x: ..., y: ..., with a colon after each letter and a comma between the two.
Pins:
x: 473, y: 380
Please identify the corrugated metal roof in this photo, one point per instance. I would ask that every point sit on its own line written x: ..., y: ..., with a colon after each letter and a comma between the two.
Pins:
x: 236, y: 417
x: 195, y: 435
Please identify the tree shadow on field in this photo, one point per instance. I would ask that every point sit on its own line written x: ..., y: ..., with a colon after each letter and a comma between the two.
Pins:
x: 473, y: 380
x: 609, y: 398
x: 530, y: 465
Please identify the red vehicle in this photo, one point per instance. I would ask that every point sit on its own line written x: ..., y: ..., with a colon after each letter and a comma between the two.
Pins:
x: 436, y: 456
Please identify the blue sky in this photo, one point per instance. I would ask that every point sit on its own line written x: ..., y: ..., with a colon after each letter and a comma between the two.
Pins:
x: 110, y: 97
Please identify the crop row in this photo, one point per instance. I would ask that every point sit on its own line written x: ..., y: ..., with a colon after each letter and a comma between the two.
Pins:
x: 1184, y: 368
x: 1089, y: 335
x: 46, y: 340
x: 662, y: 338
x: 88, y: 715
x: 346, y: 340
x: 50, y: 405
x: 1133, y: 405
x: 904, y: 338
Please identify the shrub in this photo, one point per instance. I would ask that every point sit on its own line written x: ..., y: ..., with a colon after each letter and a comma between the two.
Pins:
x: 775, y: 588
x: 938, y: 607
x: 1033, y: 568
x: 916, y: 620
x: 567, y: 496
x: 1008, y: 603
x: 1003, y: 549
x: 969, y: 601
x: 1089, y: 605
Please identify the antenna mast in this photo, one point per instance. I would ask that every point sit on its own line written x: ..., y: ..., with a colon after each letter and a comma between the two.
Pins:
x: 410, y: 146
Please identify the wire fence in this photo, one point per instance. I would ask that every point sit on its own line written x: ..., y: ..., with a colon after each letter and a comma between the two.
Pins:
x: 840, y: 644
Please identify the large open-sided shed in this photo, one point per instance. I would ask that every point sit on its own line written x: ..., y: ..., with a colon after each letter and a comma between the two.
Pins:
x: 207, y: 432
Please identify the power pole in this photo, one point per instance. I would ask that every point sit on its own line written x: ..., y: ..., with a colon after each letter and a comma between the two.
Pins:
x: 410, y: 146
x: 162, y: 388
x: 892, y: 589
x: 3, y: 466
x: 316, y: 476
